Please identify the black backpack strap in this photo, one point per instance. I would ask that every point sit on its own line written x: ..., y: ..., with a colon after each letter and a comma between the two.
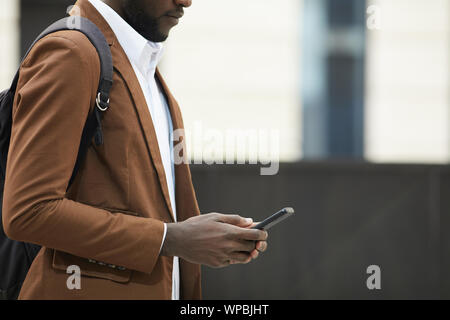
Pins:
x: 93, y: 33
x: 93, y: 126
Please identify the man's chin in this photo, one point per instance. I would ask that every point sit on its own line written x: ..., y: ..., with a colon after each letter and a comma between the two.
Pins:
x: 159, y: 37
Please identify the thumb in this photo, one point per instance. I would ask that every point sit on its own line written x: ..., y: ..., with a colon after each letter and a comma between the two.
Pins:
x: 236, y: 220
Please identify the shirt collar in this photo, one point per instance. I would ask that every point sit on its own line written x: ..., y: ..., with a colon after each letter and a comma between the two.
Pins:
x: 144, y: 54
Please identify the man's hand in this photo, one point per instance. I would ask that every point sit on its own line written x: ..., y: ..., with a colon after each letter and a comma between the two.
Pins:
x: 261, y: 246
x: 215, y: 240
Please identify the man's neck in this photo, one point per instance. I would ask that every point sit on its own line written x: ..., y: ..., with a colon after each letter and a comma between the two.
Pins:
x: 116, y: 6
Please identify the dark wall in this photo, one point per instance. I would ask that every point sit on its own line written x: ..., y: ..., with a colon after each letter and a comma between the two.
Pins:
x: 36, y: 15
x: 348, y: 216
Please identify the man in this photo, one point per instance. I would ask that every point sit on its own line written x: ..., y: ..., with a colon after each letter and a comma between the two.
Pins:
x: 130, y: 221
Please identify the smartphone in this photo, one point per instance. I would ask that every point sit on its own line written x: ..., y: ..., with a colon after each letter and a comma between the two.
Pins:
x: 274, y: 219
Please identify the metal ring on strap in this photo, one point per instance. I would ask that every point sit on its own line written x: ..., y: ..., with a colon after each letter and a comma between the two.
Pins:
x: 98, y: 102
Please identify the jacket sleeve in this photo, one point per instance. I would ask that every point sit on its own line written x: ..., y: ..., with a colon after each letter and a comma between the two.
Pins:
x: 57, y: 87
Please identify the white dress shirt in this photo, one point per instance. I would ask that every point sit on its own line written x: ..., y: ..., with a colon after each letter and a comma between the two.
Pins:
x: 144, y: 56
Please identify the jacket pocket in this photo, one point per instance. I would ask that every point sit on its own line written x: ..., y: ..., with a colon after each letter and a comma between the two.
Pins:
x: 90, y: 268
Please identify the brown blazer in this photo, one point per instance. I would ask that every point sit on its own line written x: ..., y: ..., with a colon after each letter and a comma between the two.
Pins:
x: 113, y: 214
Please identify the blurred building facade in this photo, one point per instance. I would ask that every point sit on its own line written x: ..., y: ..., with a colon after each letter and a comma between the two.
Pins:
x: 407, y: 93
x: 333, y: 46
x: 237, y: 65
x: 337, y: 79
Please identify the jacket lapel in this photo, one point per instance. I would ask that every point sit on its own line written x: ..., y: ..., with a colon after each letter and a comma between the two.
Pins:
x: 123, y: 66
x: 173, y: 106
x: 185, y: 195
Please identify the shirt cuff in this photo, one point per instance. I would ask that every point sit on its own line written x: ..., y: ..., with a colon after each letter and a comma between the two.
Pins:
x: 164, y: 237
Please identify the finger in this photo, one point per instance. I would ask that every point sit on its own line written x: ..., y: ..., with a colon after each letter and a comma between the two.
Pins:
x: 254, y: 254
x: 240, y: 258
x: 254, y: 224
x: 227, y: 262
x: 261, y: 246
x: 252, y: 234
x: 234, y: 219
x: 244, y: 246
x: 248, y: 223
